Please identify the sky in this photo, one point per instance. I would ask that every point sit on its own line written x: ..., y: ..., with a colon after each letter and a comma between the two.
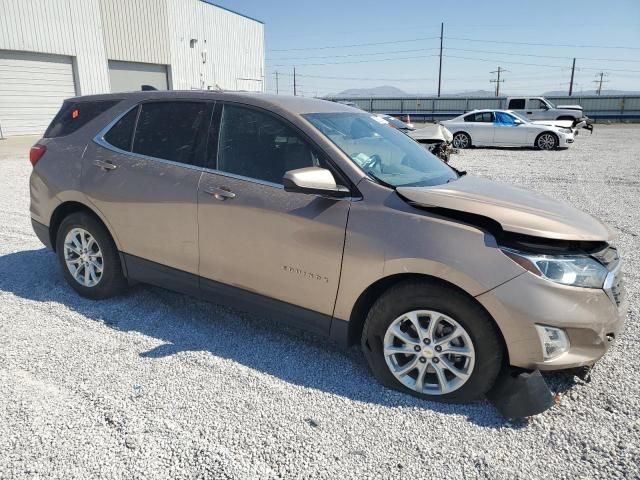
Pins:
x: 341, y: 44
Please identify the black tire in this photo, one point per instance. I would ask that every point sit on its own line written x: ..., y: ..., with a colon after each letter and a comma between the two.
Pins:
x: 464, y: 140
x: 427, y: 295
x: 542, y: 141
x: 112, y: 282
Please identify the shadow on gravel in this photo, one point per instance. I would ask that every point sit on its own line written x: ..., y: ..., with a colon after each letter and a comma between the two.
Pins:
x: 187, y: 324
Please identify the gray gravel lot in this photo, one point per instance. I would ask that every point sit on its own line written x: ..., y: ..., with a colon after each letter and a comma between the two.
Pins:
x: 158, y: 385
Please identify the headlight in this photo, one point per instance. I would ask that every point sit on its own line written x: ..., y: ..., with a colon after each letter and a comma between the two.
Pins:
x: 554, y: 341
x: 566, y: 130
x: 574, y: 270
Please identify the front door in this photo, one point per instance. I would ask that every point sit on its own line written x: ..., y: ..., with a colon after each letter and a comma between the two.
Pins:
x: 507, y: 131
x: 145, y: 183
x: 255, y: 236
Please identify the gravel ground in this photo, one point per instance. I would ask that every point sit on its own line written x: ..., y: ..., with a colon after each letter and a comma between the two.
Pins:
x: 158, y: 385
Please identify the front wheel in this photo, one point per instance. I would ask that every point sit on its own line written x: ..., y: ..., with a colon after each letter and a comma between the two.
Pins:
x: 461, y: 140
x: 432, y: 341
x: 547, y: 141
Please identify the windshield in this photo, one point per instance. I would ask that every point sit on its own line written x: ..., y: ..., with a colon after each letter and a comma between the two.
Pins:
x: 384, y: 153
x: 551, y: 105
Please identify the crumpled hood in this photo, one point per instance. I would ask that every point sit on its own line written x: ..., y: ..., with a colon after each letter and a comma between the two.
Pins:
x: 435, y: 132
x: 516, y: 209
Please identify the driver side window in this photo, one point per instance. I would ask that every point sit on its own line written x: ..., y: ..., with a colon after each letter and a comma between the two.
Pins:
x: 257, y: 145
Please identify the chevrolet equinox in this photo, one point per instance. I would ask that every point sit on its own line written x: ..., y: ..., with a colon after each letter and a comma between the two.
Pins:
x: 320, y: 215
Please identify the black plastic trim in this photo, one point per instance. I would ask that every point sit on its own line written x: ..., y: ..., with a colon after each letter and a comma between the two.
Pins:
x: 42, y: 232
x: 147, y: 271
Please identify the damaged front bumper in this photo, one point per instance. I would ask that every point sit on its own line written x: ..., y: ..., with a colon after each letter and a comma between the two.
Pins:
x: 591, y: 318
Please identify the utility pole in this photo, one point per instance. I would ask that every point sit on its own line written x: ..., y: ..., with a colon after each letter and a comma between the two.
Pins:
x: 573, y: 69
x: 295, y: 92
x: 600, y: 82
x: 497, y: 81
x: 277, y: 89
x: 440, y: 69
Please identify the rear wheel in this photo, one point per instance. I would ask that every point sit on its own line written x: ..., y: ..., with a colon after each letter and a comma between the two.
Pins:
x: 88, y: 257
x: 432, y: 341
x: 461, y: 140
x: 547, y: 141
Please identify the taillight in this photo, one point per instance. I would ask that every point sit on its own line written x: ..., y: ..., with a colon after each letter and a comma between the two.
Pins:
x: 36, y: 153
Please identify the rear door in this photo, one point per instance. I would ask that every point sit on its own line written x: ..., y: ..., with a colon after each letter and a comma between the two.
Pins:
x: 256, y: 237
x: 480, y: 126
x: 143, y: 175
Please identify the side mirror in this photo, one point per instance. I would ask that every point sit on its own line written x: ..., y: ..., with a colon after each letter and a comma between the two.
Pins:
x: 313, y: 181
x: 545, y: 106
x: 517, y: 122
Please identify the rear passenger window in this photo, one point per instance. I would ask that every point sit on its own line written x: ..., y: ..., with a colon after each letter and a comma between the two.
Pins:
x: 74, y: 115
x: 121, y: 133
x: 484, y: 117
x: 516, y: 104
x: 169, y: 130
x: 257, y: 145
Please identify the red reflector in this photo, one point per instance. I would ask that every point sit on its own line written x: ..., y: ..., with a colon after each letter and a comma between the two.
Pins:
x: 36, y: 153
x: 75, y: 113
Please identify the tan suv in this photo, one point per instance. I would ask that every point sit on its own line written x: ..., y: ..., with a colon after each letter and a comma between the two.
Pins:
x: 320, y: 215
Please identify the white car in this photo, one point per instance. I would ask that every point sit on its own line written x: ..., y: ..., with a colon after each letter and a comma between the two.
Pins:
x: 505, y: 128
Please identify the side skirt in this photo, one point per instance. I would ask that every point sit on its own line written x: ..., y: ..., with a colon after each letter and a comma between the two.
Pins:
x: 153, y: 273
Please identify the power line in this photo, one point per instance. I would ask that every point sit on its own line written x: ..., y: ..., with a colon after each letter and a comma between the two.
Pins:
x: 353, y: 45
x: 493, y: 60
x: 542, y: 56
x: 542, y: 44
x: 358, y: 61
x: 352, y: 54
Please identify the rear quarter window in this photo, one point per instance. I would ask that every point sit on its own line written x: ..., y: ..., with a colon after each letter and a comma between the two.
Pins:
x: 74, y: 115
x: 121, y: 134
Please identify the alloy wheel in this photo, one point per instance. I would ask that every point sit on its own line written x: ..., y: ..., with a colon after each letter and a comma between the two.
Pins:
x: 429, y: 352
x: 546, y: 141
x: 83, y: 257
x: 460, y: 141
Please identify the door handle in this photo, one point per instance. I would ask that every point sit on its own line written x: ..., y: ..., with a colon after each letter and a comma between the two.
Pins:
x: 105, y: 165
x: 529, y: 113
x: 220, y: 193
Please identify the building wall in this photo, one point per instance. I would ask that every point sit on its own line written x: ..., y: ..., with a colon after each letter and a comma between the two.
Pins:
x: 227, y: 52
x: 136, y: 31
x: 211, y: 47
x: 63, y: 27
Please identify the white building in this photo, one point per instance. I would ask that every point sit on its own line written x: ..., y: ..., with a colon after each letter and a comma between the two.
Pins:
x: 54, y: 49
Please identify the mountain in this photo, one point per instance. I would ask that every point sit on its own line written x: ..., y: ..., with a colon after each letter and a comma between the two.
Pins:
x: 471, y: 93
x: 383, y: 91
x: 561, y: 93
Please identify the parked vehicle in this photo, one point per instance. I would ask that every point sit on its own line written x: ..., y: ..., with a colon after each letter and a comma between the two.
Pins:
x: 316, y: 214
x: 502, y: 128
x: 396, y: 123
x: 436, y: 138
x: 539, y: 108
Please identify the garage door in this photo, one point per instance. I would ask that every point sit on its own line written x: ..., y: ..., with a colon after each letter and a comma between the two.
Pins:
x: 32, y: 88
x: 130, y: 76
